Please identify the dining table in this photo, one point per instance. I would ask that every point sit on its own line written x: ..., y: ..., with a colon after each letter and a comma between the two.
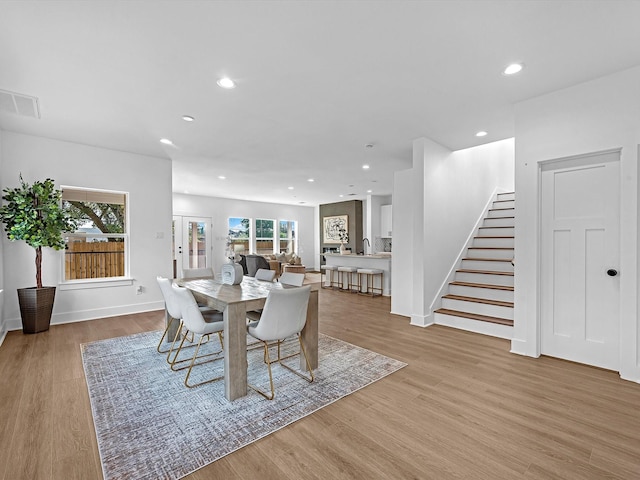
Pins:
x: 235, y: 301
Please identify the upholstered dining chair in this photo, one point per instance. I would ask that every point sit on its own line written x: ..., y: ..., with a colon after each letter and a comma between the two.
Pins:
x: 195, y: 323
x: 292, y: 279
x: 265, y: 275
x: 197, y: 273
x: 284, y: 314
x: 174, y: 314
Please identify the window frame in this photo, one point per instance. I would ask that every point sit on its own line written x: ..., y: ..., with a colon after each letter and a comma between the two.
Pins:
x: 273, y: 239
x: 79, y: 283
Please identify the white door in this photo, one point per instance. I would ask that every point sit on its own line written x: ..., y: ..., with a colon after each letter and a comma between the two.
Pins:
x: 191, y: 243
x: 580, y: 291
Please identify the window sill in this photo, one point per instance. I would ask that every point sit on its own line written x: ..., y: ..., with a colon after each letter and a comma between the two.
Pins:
x: 95, y: 283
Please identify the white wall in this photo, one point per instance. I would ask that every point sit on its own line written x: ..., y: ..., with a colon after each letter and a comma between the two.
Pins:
x: 3, y: 327
x: 148, y: 181
x: 402, y: 262
x: 220, y: 209
x: 594, y: 116
x: 449, y: 193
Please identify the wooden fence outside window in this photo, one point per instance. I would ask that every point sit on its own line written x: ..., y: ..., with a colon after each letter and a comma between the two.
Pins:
x: 94, y: 260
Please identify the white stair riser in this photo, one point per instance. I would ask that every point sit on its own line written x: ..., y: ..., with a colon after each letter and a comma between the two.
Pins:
x: 496, y: 232
x: 484, y: 278
x: 507, y: 196
x: 504, y: 204
x: 490, y: 253
x: 494, y: 242
x: 478, y: 308
x: 487, y: 265
x: 486, y: 293
x: 510, y: 212
x: 498, y: 222
x: 485, y: 328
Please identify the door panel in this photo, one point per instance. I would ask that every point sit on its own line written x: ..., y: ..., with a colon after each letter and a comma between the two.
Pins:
x: 579, y: 243
x: 191, y: 243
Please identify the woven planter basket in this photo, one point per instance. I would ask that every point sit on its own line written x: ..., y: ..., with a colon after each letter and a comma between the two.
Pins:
x: 36, y: 305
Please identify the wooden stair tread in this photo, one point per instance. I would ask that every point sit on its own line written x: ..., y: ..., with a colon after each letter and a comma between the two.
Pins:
x: 498, y: 226
x: 497, y: 303
x: 495, y: 236
x: 488, y: 259
x: 482, y: 285
x: 490, y: 248
x: 475, y: 316
x: 488, y: 272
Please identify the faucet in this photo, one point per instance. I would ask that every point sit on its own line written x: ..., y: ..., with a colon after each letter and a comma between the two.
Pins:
x: 363, y: 247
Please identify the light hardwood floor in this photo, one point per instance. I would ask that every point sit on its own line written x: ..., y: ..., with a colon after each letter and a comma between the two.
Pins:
x: 464, y: 407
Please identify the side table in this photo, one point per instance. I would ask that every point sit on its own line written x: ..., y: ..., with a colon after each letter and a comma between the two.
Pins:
x: 294, y: 268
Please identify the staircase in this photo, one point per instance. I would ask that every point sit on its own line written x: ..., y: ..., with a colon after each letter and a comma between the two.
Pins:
x: 480, y: 298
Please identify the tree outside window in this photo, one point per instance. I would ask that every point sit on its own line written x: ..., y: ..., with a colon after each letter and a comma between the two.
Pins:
x: 239, y: 235
x: 264, y: 236
x: 287, y: 236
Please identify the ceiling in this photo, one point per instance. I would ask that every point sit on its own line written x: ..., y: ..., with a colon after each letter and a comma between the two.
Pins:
x: 316, y: 81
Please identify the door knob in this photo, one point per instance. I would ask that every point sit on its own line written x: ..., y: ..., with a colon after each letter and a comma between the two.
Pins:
x: 612, y: 272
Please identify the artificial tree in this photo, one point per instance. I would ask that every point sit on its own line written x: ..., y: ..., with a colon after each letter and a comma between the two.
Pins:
x: 33, y: 213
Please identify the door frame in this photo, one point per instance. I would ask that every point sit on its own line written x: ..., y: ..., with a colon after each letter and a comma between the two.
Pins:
x: 179, y: 257
x: 583, y: 159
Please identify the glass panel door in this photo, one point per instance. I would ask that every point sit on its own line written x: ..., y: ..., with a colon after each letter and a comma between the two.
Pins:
x: 191, y: 243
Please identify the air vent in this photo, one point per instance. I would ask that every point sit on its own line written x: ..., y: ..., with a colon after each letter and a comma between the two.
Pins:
x: 19, y: 104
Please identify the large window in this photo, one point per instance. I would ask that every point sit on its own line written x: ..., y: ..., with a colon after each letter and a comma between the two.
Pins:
x: 287, y: 236
x: 98, y: 248
x: 264, y: 236
x: 239, y: 235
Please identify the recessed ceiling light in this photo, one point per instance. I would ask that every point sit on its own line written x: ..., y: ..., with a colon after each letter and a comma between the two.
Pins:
x: 341, y: 196
x: 513, y: 69
x: 226, y: 82
x: 188, y: 118
x: 369, y: 191
x: 222, y: 177
x: 290, y: 188
x: 302, y: 202
x: 365, y: 167
x: 166, y: 141
x: 481, y: 133
x: 310, y: 180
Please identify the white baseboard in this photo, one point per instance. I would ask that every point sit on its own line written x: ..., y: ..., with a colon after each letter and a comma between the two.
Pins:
x: 82, y: 316
x: 421, y: 320
x: 485, y: 328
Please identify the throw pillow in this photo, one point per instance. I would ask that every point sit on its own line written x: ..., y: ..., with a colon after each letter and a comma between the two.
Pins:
x: 280, y: 257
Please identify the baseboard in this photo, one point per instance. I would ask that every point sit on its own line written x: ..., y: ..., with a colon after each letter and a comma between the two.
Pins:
x: 3, y: 336
x: 82, y: 316
x: 422, y: 320
x: 520, y: 347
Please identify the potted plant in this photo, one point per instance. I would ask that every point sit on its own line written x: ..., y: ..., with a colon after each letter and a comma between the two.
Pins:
x: 33, y: 213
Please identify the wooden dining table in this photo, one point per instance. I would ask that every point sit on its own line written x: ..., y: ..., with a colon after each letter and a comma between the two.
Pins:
x: 235, y: 301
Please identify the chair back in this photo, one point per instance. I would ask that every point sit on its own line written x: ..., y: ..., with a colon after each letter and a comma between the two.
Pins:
x: 284, y: 314
x: 191, y: 315
x: 197, y: 273
x: 265, y: 275
x: 170, y: 300
x: 292, y: 279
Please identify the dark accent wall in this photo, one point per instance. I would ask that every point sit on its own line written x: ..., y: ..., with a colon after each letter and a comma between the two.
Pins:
x: 352, y: 208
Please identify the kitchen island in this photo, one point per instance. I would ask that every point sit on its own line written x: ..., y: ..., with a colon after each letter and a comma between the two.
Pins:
x: 381, y: 261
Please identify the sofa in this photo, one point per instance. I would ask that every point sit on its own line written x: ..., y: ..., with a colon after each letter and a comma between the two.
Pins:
x: 251, y: 263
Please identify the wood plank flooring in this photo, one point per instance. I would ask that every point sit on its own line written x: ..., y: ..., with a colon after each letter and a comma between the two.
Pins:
x: 463, y: 408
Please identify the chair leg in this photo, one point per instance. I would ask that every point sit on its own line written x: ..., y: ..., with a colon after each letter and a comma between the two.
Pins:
x: 311, y: 377
x: 193, y: 363
x: 175, y: 360
x: 164, y: 334
x: 268, y: 362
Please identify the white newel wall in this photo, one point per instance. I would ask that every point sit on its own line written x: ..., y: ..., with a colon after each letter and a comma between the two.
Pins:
x: 449, y: 191
x: 148, y: 181
x: 598, y: 115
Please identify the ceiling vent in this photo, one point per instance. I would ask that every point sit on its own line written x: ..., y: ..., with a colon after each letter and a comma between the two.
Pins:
x: 19, y: 104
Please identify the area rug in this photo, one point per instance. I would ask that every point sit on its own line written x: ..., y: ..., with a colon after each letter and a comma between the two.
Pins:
x: 150, y: 426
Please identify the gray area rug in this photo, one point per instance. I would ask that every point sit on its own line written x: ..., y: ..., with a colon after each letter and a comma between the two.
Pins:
x: 150, y: 426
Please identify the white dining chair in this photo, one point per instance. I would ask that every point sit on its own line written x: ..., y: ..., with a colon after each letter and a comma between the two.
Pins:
x: 284, y: 314
x: 292, y: 279
x: 174, y: 314
x: 265, y: 275
x: 195, y: 323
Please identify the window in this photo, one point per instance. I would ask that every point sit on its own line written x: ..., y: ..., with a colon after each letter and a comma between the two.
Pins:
x: 287, y: 237
x: 239, y: 235
x: 264, y: 236
x: 98, y: 249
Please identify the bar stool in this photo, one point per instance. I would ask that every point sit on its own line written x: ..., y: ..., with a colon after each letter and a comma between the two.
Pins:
x: 351, y: 272
x: 328, y: 270
x: 371, y: 274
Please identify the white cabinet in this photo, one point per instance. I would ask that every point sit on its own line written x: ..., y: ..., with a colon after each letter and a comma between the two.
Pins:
x: 385, y: 221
